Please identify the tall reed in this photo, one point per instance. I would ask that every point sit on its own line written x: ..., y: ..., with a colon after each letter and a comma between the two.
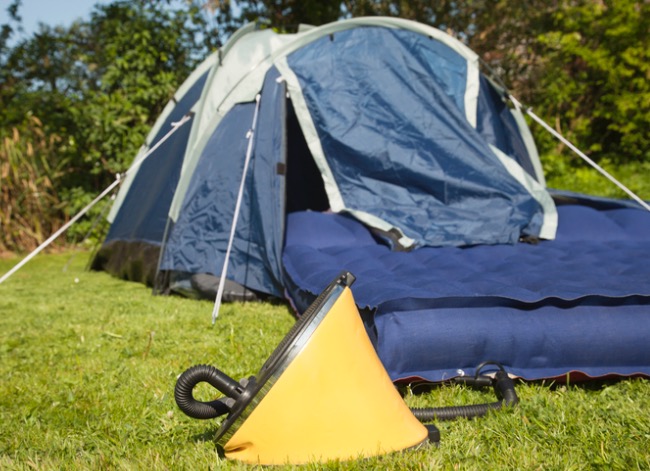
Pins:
x: 29, y: 169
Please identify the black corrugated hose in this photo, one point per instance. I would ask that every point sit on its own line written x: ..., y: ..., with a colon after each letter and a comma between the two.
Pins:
x: 503, y: 385
x: 211, y: 375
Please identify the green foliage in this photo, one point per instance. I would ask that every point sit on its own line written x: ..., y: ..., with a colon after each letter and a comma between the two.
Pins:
x: 6, y: 32
x: 598, y: 93
x: 287, y: 15
x: 89, y: 362
x: 95, y: 90
x: 102, y: 83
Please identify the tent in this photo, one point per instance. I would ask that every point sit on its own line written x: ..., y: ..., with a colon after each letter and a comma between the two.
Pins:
x: 376, y: 145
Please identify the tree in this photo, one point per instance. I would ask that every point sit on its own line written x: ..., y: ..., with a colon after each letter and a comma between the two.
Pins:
x: 94, y: 90
x: 284, y: 15
x: 594, y: 78
x: 7, y: 30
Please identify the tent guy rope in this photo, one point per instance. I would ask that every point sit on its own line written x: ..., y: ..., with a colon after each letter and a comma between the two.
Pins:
x: 581, y: 154
x: 249, y: 151
x: 118, y: 179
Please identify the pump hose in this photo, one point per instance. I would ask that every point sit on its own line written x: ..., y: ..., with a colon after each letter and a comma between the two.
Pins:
x: 503, y: 387
x: 450, y: 413
x: 211, y: 375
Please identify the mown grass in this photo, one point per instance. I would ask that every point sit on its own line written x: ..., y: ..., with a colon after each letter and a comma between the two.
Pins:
x: 88, y: 366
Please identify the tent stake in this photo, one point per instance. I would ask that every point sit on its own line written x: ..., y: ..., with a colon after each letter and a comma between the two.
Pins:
x: 249, y: 151
x: 583, y: 156
x: 87, y: 208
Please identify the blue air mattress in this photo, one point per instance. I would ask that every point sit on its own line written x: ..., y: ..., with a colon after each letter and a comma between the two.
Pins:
x: 577, y: 305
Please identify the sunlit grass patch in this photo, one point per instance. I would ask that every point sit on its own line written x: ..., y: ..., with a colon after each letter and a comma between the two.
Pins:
x: 89, y: 363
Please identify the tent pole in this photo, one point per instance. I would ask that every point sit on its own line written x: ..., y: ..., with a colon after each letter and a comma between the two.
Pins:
x: 582, y: 155
x: 76, y: 217
x: 249, y: 151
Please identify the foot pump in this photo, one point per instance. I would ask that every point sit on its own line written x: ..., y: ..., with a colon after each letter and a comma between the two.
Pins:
x: 322, y: 395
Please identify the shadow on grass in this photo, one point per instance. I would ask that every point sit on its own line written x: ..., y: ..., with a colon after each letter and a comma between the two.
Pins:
x: 207, y: 436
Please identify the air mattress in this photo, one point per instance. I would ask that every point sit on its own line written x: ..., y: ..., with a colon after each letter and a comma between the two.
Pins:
x: 579, y: 304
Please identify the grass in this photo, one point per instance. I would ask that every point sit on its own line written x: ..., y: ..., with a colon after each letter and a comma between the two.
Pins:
x: 88, y: 366
x: 570, y: 173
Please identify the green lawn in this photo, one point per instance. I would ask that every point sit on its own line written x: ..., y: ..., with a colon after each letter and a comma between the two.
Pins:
x: 88, y: 366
